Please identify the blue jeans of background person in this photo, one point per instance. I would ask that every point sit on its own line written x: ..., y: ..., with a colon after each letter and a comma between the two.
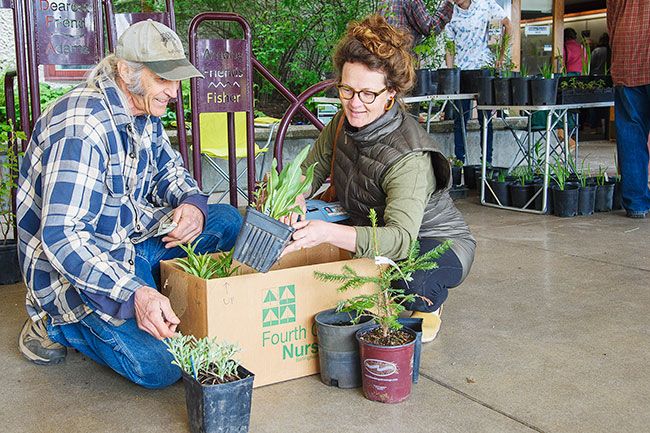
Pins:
x: 459, y: 146
x: 129, y: 351
x: 433, y: 285
x: 632, y: 106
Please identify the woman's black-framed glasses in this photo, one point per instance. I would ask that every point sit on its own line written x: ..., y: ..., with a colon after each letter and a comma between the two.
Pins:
x: 366, y: 96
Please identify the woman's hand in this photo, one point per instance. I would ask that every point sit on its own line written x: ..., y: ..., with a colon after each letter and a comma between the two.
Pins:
x: 292, y: 218
x: 308, y: 234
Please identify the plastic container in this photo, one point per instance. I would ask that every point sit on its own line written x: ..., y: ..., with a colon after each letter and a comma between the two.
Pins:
x: 219, y: 408
x: 261, y: 240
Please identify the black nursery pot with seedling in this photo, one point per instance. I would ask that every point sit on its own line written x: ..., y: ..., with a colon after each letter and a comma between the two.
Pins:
x: 485, y: 91
x: 261, y: 240
x: 225, y: 407
x: 502, y: 94
x: 604, y: 197
x: 422, y: 82
x: 520, y: 194
x: 586, y: 199
x: 262, y: 236
x: 520, y: 88
x: 338, y: 350
x: 565, y: 201
x: 448, y: 81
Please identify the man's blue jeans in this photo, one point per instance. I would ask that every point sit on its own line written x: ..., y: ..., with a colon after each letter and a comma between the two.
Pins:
x: 459, y: 146
x: 129, y: 351
x: 632, y: 106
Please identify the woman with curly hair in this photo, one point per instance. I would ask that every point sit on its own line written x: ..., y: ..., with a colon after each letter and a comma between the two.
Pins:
x: 379, y: 157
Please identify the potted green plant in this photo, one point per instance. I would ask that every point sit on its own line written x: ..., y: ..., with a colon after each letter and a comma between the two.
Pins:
x: 218, y: 391
x: 387, y: 348
x: 449, y: 78
x: 520, y: 87
x: 586, y: 189
x: 604, y: 191
x: 521, y: 191
x: 206, y: 265
x: 456, y: 170
x: 543, y: 89
x: 503, y: 65
x: 262, y: 237
x: 9, y: 157
x: 499, y: 188
x: 565, y: 195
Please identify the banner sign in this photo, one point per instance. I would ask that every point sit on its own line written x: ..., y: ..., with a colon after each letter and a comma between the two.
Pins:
x: 65, y: 33
x: 223, y: 64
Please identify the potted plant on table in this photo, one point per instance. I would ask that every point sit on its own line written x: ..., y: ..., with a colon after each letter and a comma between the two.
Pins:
x: 449, y: 78
x: 387, y: 348
x: 503, y: 65
x: 519, y: 87
x: 262, y: 237
x: 543, y: 89
x: 218, y: 391
x: 9, y: 157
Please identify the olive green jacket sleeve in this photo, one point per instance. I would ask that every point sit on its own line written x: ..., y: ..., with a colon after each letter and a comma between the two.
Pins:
x: 408, y: 185
x: 321, y: 153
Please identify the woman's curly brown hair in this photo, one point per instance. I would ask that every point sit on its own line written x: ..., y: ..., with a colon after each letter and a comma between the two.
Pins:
x: 380, y: 47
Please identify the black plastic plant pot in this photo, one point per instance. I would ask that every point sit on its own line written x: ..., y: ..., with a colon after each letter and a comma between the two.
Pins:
x: 565, y: 202
x: 502, y: 95
x: 520, y: 194
x: 338, y: 350
x: 537, y: 204
x: 485, y: 93
x: 456, y: 175
x: 617, y: 202
x: 9, y: 263
x: 543, y: 91
x: 458, y: 192
x: 415, y: 325
x: 586, y: 199
x: 422, y: 82
x: 448, y: 81
x: 219, y: 408
x: 520, y: 89
x: 604, y: 197
x: 261, y: 240
x: 469, y: 175
x: 433, y: 82
x: 469, y: 79
x: 500, y: 190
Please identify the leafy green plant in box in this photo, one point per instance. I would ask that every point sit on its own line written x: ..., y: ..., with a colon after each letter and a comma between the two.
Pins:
x: 206, y: 265
x: 276, y: 196
x: 387, y: 302
x: 204, y: 359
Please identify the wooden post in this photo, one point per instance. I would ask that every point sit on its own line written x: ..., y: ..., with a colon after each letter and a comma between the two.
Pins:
x: 515, y: 21
x: 558, y: 32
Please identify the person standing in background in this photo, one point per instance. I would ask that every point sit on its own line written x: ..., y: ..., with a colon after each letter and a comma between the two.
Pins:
x: 574, y: 52
x: 413, y: 16
x: 627, y: 22
x: 469, y: 31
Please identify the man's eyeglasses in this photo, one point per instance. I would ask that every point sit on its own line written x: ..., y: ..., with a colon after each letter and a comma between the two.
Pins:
x: 366, y: 96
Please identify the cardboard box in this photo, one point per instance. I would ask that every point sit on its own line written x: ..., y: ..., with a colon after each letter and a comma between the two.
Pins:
x: 271, y: 316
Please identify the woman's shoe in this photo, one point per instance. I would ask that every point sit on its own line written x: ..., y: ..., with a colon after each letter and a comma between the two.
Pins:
x: 430, y: 323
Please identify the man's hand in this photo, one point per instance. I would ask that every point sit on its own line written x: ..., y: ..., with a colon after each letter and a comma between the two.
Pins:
x: 190, y: 224
x: 154, y: 313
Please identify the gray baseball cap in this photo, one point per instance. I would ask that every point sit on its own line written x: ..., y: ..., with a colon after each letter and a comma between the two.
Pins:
x: 157, y: 47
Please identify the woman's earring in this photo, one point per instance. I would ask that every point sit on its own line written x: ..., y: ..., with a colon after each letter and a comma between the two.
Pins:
x: 390, y: 104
